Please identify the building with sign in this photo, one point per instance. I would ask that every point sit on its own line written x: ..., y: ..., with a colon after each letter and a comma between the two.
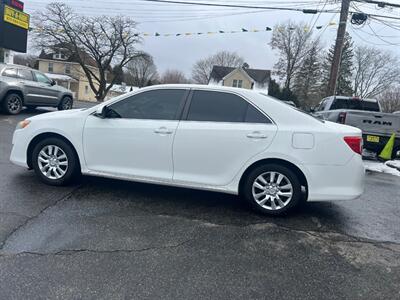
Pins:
x: 14, y: 27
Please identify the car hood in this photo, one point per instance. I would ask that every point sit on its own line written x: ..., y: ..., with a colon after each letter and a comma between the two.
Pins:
x: 57, y: 114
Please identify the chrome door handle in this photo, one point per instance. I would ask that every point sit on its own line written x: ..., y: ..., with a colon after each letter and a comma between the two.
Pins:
x: 257, y: 135
x: 163, y: 130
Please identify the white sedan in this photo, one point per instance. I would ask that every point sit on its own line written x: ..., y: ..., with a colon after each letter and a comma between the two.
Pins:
x: 215, y: 138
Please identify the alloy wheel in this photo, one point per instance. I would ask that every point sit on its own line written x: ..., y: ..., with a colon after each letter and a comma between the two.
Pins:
x: 14, y: 104
x: 67, y: 104
x: 52, y: 162
x: 272, y: 190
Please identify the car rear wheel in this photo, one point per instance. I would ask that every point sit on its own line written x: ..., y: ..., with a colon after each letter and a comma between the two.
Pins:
x: 12, y: 104
x: 65, y: 104
x: 272, y: 189
x: 55, y: 161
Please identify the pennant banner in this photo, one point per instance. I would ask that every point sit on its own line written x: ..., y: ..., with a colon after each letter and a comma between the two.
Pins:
x: 243, y: 30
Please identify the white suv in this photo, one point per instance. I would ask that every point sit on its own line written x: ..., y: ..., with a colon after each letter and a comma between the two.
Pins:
x: 223, y: 139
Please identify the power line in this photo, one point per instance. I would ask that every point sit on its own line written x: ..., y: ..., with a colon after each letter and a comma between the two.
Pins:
x: 379, y: 3
x: 314, y: 11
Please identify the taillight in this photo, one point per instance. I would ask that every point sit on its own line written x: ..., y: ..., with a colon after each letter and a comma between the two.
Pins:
x: 355, y: 143
x: 342, y: 117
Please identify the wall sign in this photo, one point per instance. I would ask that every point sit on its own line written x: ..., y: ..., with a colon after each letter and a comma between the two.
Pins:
x: 16, y: 17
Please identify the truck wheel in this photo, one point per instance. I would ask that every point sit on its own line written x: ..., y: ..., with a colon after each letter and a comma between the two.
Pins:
x: 12, y: 104
x: 65, y: 104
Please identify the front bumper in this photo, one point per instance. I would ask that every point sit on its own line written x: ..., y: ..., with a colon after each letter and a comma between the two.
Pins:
x: 19, y: 149
x: 334, y: 182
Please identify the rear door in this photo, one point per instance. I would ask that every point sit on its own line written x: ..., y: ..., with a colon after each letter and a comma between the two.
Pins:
x: 218, y: 134
x: 43, y: 92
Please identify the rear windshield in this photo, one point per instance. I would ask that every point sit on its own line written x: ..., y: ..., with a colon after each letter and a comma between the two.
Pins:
x: 355, y: 104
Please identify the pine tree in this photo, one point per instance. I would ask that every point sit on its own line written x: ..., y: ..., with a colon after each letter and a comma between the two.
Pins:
x: 307, y: 80
x: 344, y: 83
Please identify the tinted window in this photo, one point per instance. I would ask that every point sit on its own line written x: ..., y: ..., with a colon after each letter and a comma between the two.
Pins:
x: 41, y: 77
x: 255, y: 116
x: 25, y: 74
x: 370, y: 106
x: 10, y: 72
x: 157, y: 105
x: 217, y: 107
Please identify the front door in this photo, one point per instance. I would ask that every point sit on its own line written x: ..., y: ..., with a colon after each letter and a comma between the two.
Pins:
x: 43, y: 92
x: 222, y: 131
x: 135, y: 139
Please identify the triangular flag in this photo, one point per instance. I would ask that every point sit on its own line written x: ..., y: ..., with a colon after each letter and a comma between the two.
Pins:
x: 157, y: 34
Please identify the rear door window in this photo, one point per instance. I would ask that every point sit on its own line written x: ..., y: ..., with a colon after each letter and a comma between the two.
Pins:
x: 217, y: 107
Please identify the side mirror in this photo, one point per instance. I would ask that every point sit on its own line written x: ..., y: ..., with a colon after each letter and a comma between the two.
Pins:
x: 52, y: 82
x: 101, y: 112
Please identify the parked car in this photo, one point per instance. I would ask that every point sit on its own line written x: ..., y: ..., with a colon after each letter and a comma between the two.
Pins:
x: 365, y: 114
x: 22, y: 86
x: 214, y: 138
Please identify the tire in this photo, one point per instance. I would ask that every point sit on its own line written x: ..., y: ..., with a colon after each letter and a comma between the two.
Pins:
x: 273, y: 198
x: 57, y: 159
x: 66, y: 103
x: 12, y: 104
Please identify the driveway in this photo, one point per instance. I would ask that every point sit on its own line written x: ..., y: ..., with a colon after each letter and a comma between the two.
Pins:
x: 107, y: 239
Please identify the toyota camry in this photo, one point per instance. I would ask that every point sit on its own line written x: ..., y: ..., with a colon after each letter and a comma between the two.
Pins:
x: 214, y: 138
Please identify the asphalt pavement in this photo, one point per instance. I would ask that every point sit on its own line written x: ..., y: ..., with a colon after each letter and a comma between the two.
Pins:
x: 109, y: 239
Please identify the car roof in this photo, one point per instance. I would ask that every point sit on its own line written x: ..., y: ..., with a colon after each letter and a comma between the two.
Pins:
x: 3, y: 65
x: 202, y: 87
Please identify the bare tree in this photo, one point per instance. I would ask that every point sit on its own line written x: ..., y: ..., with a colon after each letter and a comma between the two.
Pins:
x: 293, y: 44
x: 202, y: 68
x: 104, y: 40
x: 141, y: 71
x: 390, y: 100
x: 25, y: 60
x: 375, y: 71
x: 173, y: 76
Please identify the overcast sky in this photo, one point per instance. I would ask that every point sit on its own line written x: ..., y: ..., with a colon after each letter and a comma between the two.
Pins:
x: 181, y: 52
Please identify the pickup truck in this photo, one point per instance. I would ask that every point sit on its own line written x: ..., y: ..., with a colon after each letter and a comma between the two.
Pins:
x: 365, y: 114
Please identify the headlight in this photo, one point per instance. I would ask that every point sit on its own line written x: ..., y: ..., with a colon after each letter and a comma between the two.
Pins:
x: 23, y: 124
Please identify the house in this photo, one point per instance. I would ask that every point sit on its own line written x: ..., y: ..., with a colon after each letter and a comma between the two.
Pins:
x: 120, y: 89
x: 241, y: 77
x: 67, y: 72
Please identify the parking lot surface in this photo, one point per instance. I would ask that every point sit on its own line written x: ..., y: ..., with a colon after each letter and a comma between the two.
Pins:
x: 108, y: 239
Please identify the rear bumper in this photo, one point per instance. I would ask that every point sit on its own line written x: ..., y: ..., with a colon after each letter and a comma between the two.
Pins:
x: 333, y: 182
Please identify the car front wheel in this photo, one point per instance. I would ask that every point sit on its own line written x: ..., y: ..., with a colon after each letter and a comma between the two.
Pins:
x: 272, y: 189
x: 55, y: 161
x: 12, y: 104
x: 65, y: 104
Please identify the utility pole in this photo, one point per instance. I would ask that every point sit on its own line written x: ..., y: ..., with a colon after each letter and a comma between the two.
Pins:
x: 337, y: 54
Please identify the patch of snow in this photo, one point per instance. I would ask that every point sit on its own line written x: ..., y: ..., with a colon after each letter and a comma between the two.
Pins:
x: 376, y: 166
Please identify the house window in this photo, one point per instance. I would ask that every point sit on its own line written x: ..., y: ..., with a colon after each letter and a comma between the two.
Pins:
x: 51, y: 67
x: 67, y: 69
x: 86, y: 90
x: 237, y: 83
x: 59, y: 56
